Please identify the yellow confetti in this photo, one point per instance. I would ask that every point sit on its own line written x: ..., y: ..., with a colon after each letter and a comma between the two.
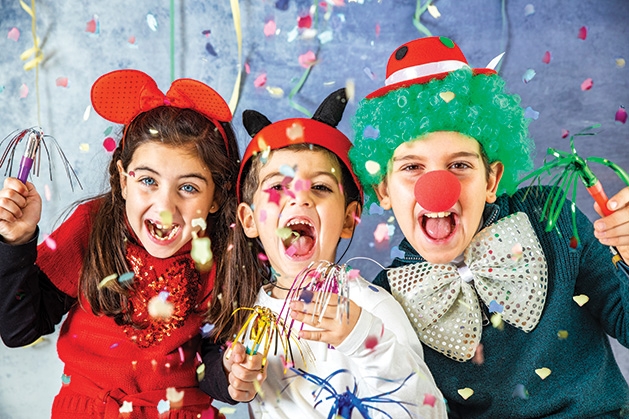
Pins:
x: 372, y: 167
x: 200, y: 372
x: 543, y: 372
x: 447, y: 96
x: 258, y: 388
x: 275, y: 92
x: 166, y: 218
x: 107, y: 280
x: 174, y: 396
x: 581, y: 299
x: 160, y: 309
x: 153, y: 132
x: 295, y: 132
x: 434, y: 12
x: 284, y: 233
x: 620, y: 62
x: 496, y: 321
x: 201, y: 252
x: 39, y: 341
x: 227, y: 410
x: 84, y: 147
x: 466, y: 392
x: 562, y: 334
x: 199, y: 222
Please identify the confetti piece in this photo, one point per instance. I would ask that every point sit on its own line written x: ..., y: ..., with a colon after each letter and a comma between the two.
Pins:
x: 131, y: 40
x: 374, y: 289
x: 174, y: 396
x: 61, y: 81
x: 520, y: 392
x: 381, y: 233
x: 275, y: 92
x: 93, y: 26
x: 429, y: 400
x: 262, y: 257
x: 531, y: 113
x: 284, y: 233
x: 325, y: 37
x: 291, y: 250
x: 151, y: 21
x: 369, y: 73
x: 372, y: 167
x: 543, y: 372
x: 107, y: 280
x: 127, y: 407
x: 201, y: 252
x: 581, y: 299
x: 23, y: 91
x: 269, y: 28
x: 163, y: 406
x: 109, y: 144
x: 302, y: 185
x: 158, y: 308
x: 206, y: 329
x: 621, y: 115
x: 583, y: 32
x: 274, y: 196
x: 287, y: 170
x: 495, y: 307
x: 574, y: 243
x: 371, y: 132
x: 258, y: 388
x: 260, y: 81
x: 126, y: 278
x: 308, y: 59
x: 197, y: 222
x: 528, y: 75
x: 466, y: 393
x: 201, y: 372
x: 47, y: 192
x: 306, y: 296
x: 546, y: 58
x: 227, y: 410
x: 479, y: 355
x: 496, y: 321
x: 210, y: 49
x: 166, y: 218
x: 562, y: 334
x: 304, y: 22
x: 131, y: 173
x: 50, y: 242
x: 371, y: 342
x: 87, y: 112
x: 620, y: 62
x: 529, y: 9
x: 14, y: 34
x: 84, y: 148
x: 447, y: 96
x: 587, y: 84
x: 565, y: 133
x: 396, y: 253
x: 295, y: 131
x: 516, y: 252
x: 65, y: 379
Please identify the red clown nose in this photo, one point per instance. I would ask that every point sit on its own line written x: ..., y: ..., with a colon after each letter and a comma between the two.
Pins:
x: 437, y: 191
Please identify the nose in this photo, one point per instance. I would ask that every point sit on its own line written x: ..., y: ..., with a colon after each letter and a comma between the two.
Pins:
x: 166, y: 200
x: 300, y: 196
x: 437, y: 191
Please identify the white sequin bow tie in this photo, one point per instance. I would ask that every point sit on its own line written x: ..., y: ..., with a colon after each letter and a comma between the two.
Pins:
x: 504, y: 266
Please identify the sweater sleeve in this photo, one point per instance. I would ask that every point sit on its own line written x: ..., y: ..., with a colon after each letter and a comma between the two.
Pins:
x: 214, y: 382
x: 30, y: 305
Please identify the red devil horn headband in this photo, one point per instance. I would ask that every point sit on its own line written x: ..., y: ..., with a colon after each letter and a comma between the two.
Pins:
x: 121, y: 95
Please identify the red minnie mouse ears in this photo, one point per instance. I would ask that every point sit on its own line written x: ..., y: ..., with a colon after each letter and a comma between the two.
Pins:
x: 121, y: 95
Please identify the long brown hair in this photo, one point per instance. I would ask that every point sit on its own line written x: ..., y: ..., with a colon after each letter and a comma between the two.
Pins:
x: 106, y: 252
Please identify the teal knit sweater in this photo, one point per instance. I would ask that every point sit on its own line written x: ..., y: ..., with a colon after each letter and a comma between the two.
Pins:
x: 585, y: 380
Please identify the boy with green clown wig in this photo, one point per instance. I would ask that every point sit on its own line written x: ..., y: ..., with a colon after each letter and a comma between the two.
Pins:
x: 497, y: 300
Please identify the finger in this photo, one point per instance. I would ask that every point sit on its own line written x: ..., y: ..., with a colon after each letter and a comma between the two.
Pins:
x: 315, y: 335
x: 241, y: 395
x: 9, y: 210
x: 238, y: 352
x: 253, y: 362
x: 17, y: 185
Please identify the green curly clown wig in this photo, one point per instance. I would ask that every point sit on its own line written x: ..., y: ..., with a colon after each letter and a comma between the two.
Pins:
x: 480, y: 109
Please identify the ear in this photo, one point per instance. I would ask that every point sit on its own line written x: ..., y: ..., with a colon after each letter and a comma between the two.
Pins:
x: 382, y: 192
x: 497, y: 170
x: 247, y: 220
x: 352, y: 213
x: 123, y: 179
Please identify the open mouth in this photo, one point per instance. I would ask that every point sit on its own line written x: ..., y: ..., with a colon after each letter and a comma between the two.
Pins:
x: 302, y: 240
x: 439, y: 225
x: 160, y: 232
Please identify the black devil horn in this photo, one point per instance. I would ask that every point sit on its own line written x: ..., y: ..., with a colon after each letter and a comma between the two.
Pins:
x: 254, y: 121
x: 331, y: 109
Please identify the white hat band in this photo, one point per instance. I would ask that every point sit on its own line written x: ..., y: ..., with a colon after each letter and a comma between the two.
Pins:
x: 422, y: 70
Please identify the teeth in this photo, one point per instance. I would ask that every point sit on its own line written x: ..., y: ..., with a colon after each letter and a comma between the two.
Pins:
x: 298, y: 222
x: 438, y: 214
x: 157, y: 230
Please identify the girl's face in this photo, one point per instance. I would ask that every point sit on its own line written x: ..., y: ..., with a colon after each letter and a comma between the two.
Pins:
x: 299, y: 219
x: 163, y: 181
x: 439, y: 238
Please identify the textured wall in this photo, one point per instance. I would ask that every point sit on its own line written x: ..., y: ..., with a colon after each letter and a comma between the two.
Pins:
x: 354, y: 42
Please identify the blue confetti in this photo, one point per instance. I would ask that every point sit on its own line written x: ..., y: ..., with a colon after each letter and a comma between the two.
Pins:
x: 495, y: 307
x: 306, y: 296
x: 281, y: 4
x: 531, y: 113
x: 65, y: 379
x: 528, y: 75
x: 369, y: 73
x: 287, y: 171
x: 374, y: 289
x: 163, y: 406
x: 521, y: 392
x: 396, y: 253
x: 206, y: 329
x: 126, y: 277
x: 371, y: 132
x: 375, y: 209
x: 210, y: 49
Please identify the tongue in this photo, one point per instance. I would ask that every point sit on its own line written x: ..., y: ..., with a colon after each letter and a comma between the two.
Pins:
x: 301, y: 246
x: 438, y: 228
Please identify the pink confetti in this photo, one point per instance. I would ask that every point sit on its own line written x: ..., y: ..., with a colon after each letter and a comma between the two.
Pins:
x: 50, y: 242
x: 262, y: 216
x: 353, y: 273
x: 131, y: 40
x: 357, y: 219
x: 260, y: 81
x: 381, y: 233
x: 61, y: 81
x: 479, y: 356
x: 583, y: 32
x: 274, y: 196
x: 429, y: 399
x: 109, y: 144
x: 230, y: 247
x: 247, y: 68
x: 546, y: 58
x: 308, y: 59
x: 371, y: 342
x: 621, y: 115
x: 23, y: 91
x: 47, y: 192
x: 182, y: 355
x: 91, y: 26
x: 302, y: 185
x: 291, y: 250
x: 587, y: 84
x: 304, y: 22
x: 14, y: 34
x: 262, y: 257
x: 565, y: 133
x: 377, y: 30
x: 270, y: 28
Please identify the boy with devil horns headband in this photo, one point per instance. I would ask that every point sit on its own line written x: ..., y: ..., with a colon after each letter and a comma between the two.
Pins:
x: 439, y: 144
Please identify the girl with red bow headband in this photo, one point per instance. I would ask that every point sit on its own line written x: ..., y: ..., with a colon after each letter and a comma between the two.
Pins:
x: 133, y: 268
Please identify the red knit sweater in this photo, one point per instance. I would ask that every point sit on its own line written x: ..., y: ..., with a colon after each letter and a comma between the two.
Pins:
x: 107, y: 365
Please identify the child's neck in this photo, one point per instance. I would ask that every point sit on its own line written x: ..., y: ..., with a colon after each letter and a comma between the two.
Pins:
x: 280, y: 286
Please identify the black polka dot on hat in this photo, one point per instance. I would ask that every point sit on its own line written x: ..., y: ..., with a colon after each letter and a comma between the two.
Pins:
x: 401, y: 52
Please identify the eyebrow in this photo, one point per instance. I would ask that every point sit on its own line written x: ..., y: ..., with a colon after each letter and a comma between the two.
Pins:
x: 453, y: 155
x: 320, y: 173
x: 186, y: 175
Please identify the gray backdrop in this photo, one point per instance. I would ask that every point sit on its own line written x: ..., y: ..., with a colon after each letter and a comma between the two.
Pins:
x: 354, y: 42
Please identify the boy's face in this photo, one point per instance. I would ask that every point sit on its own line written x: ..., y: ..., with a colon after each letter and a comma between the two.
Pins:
x: 299, y: 219
x: 163, y: 179
x: 439, y: 238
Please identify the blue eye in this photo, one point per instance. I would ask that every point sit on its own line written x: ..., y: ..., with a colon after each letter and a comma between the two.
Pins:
x: 148, y: 181
x: 189, y: 189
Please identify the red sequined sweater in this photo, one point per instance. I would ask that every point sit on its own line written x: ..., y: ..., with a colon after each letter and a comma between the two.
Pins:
x: 109, y: 367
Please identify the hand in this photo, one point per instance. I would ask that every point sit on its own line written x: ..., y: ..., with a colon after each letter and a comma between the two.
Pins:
x: 242, y: 371
x: 330, y: 329
x: 613, y: 230
x: 20, y: 211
